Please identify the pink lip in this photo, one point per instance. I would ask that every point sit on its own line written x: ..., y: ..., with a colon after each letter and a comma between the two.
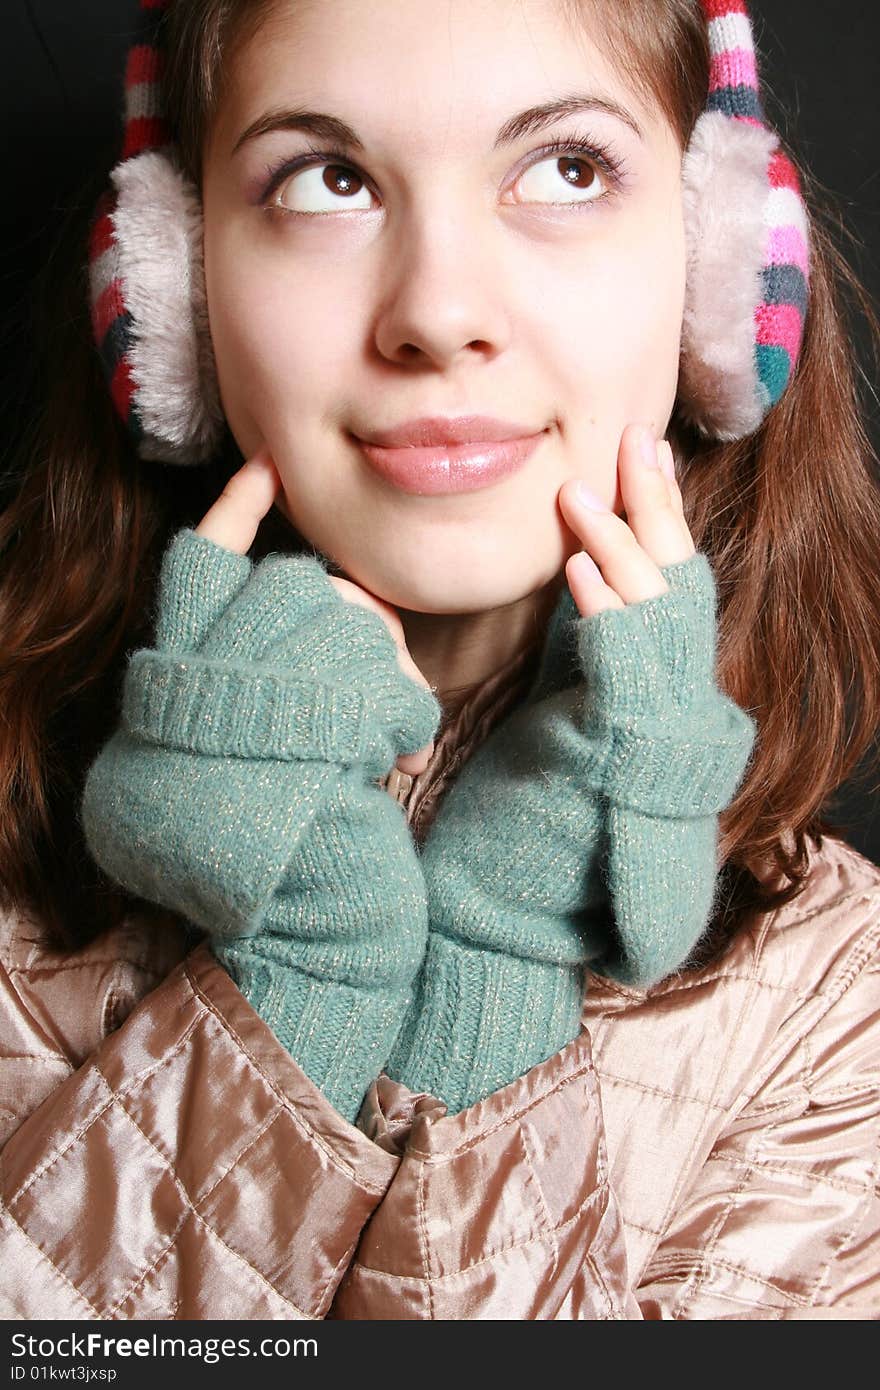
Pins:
x: 442, y: 454
x: 450, y: 467
x: 430, y: 431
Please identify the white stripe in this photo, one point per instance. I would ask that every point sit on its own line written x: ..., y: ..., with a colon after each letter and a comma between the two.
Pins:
x: 143, y: 99
x: 785, y: 209
x: 731, y: 31
x: 103, y: 271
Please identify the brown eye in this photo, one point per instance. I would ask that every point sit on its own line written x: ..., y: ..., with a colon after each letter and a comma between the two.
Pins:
x: 576, y: 173
x: 315, y: 190
x: 565, y: 178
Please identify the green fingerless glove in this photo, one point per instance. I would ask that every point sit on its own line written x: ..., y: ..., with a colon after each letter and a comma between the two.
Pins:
x: 241, y: 791
x: 582, y: 832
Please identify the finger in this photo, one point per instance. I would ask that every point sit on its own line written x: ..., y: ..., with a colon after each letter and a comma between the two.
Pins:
x: 648, y: 499
x: 630, y: 552
x: 667, y: 464
x: 414, y: 763
x: 625, y: 567
x: 588, y: 589
x: 235, y: 517
x: 410, y: 668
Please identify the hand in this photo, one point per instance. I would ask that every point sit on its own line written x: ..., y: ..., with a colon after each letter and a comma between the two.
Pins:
x: 240, y: 789
x: 621, y: 560
x: 233, y: 522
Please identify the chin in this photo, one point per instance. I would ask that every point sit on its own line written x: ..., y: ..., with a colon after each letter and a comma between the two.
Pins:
x: 436, y: 595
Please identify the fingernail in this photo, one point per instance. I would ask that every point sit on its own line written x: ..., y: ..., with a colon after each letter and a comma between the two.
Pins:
x: 589, y: 499
x: 648, y: 447
x: 667, y: 461
x: 587, y: 568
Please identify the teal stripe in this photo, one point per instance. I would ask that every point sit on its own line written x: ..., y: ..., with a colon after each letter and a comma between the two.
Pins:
x: 774, y: 369
x: 737, y: 101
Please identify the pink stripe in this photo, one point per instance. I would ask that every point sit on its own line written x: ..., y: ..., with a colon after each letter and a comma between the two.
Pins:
x: 786, y: 246
x: 735, y: 67
x: 779, y: 325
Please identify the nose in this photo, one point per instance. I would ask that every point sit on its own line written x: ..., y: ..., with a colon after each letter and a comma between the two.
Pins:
x: 443, y: 291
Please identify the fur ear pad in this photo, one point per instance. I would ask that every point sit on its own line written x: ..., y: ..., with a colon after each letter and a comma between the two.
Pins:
x: 150, y: 311
x: 746, y: 291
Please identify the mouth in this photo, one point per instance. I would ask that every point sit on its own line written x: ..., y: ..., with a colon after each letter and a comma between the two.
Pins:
x: 433, y: 468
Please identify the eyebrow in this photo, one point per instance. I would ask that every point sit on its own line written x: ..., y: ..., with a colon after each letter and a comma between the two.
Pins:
x: 523, y: 124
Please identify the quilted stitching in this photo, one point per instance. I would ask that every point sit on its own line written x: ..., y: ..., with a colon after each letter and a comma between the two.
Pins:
x: 750, y: 1126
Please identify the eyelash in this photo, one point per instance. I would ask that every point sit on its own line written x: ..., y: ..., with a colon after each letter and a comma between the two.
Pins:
x: 603, y: 156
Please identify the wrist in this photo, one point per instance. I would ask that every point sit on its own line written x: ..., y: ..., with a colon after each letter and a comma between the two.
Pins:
x: 340, y: 1035
x: 481, y: 1019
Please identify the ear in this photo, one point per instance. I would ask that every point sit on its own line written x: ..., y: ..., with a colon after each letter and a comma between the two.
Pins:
x: 149, y: 310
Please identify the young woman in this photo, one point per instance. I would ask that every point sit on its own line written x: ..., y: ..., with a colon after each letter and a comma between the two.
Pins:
x: 580, y: 1020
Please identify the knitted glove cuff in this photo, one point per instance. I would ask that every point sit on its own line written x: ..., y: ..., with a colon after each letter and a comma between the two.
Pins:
x: 208, y: 706
x: 655, y: 768
x: 270, y: 661
x: 339, y: 1034
x: 483, y: 1019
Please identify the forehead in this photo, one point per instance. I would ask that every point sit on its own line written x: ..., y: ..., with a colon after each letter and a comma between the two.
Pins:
x: 406, y: 69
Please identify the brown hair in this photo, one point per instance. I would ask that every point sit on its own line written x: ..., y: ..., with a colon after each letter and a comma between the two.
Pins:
x: 788, y: 517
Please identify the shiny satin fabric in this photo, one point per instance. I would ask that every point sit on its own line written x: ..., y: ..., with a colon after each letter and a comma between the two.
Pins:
x: 704, y: 1149
x: 524, y: 1214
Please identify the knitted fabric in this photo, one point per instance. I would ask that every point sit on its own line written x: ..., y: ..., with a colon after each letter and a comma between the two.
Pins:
x: 582, y: 833
x: 734, y: 88
x: 241, y: 791
x: 144, y: 128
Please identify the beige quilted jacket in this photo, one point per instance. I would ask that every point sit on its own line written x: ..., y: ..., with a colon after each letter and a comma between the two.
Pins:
x: 705, y: 1149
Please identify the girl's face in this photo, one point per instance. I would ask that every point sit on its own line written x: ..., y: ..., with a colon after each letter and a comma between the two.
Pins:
x: 448, y: 265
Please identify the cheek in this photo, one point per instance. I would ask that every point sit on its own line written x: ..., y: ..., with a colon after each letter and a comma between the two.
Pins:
x: 271, y: 327
x: 618, y: 339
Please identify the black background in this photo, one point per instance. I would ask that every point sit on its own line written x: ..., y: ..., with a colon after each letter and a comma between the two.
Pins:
x: 61, y: 98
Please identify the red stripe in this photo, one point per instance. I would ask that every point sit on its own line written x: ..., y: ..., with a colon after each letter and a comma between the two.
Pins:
x: 107, y: 309
x: 717, y: 9
x: 122, y: 388
x: 144, y: 64
x: 782, y: 173
x: 154, y: 4
x: 144, y: 133
x: 101, y: 231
